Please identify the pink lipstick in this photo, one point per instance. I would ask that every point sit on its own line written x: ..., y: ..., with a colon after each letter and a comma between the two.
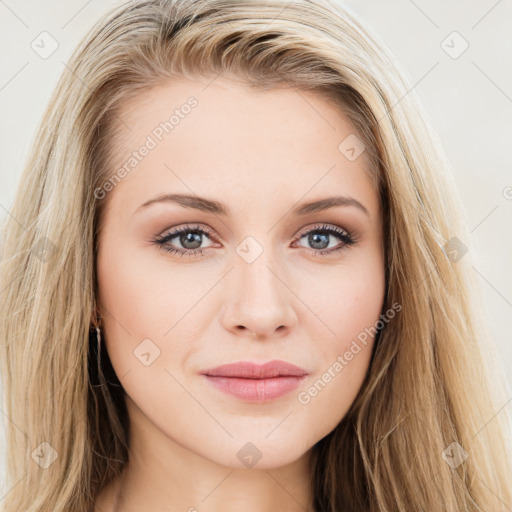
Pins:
x: 255, y: 382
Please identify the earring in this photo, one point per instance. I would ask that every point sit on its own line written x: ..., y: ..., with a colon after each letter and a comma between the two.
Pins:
x: 98, y: 359
x: 98, y: 337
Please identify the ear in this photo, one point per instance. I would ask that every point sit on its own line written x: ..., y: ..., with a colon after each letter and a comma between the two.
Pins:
x: 95, y: 317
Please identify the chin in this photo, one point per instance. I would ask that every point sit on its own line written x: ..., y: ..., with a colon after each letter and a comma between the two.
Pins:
x: 256, y: 454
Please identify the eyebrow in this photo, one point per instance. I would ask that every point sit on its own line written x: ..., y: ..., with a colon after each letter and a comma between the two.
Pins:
x: 212, y: 206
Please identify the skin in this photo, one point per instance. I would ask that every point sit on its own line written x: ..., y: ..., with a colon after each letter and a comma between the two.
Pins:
x: 259, y: 153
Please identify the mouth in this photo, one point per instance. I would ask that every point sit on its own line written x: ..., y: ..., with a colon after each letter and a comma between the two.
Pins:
x: 256, y: 383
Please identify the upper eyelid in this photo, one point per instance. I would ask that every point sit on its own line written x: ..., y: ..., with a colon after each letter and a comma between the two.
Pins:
x: 319, y: 227
x: 207, y: 230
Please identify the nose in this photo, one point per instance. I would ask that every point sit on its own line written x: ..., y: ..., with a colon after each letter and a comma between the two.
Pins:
x: 259, y: 300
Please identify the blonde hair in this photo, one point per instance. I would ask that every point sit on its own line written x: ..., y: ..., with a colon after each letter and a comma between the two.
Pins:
x: 430, y: 382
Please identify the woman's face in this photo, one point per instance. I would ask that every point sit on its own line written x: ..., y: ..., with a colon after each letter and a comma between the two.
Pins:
x: 246, y: 280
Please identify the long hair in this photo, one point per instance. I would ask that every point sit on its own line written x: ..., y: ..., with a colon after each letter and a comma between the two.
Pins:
x: 430, y: 396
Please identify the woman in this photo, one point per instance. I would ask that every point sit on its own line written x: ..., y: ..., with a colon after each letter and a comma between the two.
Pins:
x: 236, y: 279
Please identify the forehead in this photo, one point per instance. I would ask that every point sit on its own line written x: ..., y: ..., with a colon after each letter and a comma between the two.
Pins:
x: 215, y: 138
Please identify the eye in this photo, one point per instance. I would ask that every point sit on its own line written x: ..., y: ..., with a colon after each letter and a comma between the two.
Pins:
x: 190, y: 239
x: 318, y: 238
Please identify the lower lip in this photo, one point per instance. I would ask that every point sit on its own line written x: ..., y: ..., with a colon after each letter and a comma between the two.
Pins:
x: 256, y: 390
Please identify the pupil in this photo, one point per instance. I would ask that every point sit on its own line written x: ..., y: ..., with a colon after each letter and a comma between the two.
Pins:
x: 315, y: 239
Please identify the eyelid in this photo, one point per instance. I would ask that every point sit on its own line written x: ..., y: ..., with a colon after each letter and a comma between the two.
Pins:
x: 203, y: 227
x: 320, y: 226
x: 188, y: 227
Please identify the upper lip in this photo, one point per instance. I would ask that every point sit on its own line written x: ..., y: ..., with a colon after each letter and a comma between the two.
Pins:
x: 250, y: 370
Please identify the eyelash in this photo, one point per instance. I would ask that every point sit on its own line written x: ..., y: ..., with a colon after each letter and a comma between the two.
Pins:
x: 344, y: 236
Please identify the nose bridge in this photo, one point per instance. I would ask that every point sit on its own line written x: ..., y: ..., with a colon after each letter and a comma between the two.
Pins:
x: 253, y: 265
x: 260, y: 299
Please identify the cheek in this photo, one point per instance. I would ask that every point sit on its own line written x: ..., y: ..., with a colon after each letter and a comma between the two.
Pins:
x: 343, y: 300
x: 138, y: 286
x: 349, y: 305
x: 147, y: 298
x: 133, y: 308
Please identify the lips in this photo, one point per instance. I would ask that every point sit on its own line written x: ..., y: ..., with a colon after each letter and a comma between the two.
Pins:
x: 248, y: 370
x: 254, y: 382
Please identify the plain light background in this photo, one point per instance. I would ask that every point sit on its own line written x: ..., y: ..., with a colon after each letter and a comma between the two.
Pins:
x: 466, y: 91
